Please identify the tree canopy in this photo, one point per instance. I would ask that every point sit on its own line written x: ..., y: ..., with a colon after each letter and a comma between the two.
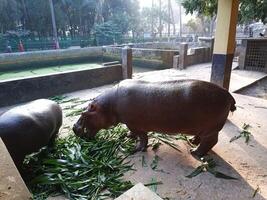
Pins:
x: 104, y: 19
x: 249, y: 10
x: 76, y: 17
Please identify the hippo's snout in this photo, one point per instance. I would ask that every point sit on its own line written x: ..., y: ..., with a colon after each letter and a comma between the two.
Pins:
x: 82, y: 131
x: 78, y: 130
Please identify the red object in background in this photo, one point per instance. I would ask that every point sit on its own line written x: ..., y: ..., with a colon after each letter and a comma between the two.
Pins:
x: 21, y: 47
x: 55, y: 45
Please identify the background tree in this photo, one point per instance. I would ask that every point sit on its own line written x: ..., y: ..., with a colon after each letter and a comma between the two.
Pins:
x: 9, y: 15
x: 248, y: 10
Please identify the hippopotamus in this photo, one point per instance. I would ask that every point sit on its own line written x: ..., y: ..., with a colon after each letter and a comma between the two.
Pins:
x: 27, y: 128
x: 191, y: 107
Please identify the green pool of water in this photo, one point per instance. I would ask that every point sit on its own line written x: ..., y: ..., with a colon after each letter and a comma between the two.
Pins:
x: 29, y: 72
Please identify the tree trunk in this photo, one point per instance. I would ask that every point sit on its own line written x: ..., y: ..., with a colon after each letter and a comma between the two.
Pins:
x: 160, y: 20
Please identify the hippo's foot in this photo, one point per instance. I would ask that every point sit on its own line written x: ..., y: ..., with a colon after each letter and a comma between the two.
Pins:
x: 196, y: 154
x: 53, y: 138
x: 195, y: 140
x: 131, y: 135
x: 139, y: 147
x: 142, y: 143
x: 206, y: 144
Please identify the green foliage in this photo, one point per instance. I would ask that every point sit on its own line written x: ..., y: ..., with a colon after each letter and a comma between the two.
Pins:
x: 107, y: 33
x: 209, y: 165
x: 82, y: 169
x: 76, y: 17
x: 204, y: 7
x: 150, y: 16
x: 253, y: 10
x: 248, y: 10
x: 192, y: 24
x: 244, y: 133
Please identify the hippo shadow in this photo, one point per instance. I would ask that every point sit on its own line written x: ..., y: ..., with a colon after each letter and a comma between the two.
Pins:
x: 173, y: 167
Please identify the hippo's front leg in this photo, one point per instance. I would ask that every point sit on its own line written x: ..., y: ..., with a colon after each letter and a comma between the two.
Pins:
x: 132, y: 135
x: 143, y: 139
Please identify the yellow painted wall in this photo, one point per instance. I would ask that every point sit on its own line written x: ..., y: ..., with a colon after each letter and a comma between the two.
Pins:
x: 226, y: 26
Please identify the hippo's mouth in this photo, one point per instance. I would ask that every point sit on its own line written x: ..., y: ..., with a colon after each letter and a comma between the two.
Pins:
x: 88, y: 134
x: 82, y: 131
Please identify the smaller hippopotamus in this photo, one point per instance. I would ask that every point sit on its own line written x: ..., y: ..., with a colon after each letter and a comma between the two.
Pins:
x: 190, y: 107
x: 27, y: 128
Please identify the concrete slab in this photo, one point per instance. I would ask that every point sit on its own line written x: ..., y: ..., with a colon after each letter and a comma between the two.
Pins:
x: 257, y: 89
x: 236, y: 159
x: 245, y: 162
x: 139, y: 192
x: 12, y: 186
x: 239, y: 78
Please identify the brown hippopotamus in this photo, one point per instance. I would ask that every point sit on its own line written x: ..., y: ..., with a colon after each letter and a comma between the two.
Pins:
x: 25, y: 129
x: 191, y: 107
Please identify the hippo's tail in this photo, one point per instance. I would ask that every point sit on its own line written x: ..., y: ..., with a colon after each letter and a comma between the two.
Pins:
x: 233, y: 107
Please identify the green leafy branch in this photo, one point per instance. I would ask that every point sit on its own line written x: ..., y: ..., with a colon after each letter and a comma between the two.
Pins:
x: 209, y: 165
x: 244, y: 133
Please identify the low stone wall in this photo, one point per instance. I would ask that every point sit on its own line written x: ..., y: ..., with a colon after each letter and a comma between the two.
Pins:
x: 154, y: 58
x: 191, y: 56
x: 49, y: 57
x: 23, y: 90
x: 198, y: 55
x: 157, y: 45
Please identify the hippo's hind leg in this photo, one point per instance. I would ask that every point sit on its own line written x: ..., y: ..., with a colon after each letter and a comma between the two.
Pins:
x: 143, y: 139
x: 195, y: 140
x: 53, y: 137
x: 206, y: 144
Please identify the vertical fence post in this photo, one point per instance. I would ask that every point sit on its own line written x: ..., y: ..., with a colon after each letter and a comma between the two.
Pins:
x: 242, y: 56
x: 127, y: 64
x: 183, y: 55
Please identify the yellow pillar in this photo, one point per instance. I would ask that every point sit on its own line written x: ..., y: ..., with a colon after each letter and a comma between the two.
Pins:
x: 224, y: 45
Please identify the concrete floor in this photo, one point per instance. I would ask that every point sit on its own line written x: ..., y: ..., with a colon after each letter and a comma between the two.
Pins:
x: 245, y: 162
x: 237, y: 159
x: 239, y: 78
x: 259, y: 89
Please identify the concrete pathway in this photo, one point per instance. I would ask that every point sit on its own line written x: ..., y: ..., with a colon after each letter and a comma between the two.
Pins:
x: 247, y: 162
x: 239, y: 78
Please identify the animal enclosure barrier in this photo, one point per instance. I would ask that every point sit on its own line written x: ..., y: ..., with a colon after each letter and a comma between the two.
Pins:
x: 253, y: 55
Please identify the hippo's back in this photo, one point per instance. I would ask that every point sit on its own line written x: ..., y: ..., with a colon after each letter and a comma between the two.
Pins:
x: 172, y: 104
x: 30, y: 126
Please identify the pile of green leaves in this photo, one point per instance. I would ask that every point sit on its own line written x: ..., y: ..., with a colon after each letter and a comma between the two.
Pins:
x: 82, y: 169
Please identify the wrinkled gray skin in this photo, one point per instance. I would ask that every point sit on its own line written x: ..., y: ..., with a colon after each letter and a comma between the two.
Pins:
x: 27, y: 128
x: 191, y: 107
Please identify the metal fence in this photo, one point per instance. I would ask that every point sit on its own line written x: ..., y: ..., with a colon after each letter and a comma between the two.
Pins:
x: 48, y: 43
x: 42, y: 44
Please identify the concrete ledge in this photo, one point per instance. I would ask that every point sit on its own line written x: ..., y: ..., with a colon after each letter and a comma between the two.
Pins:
x: 23, y: 90
x: 139, y: 192
x: 49, y: 57
x: 12, y: 187
x: 242, y: 89
x: 142, y: 57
